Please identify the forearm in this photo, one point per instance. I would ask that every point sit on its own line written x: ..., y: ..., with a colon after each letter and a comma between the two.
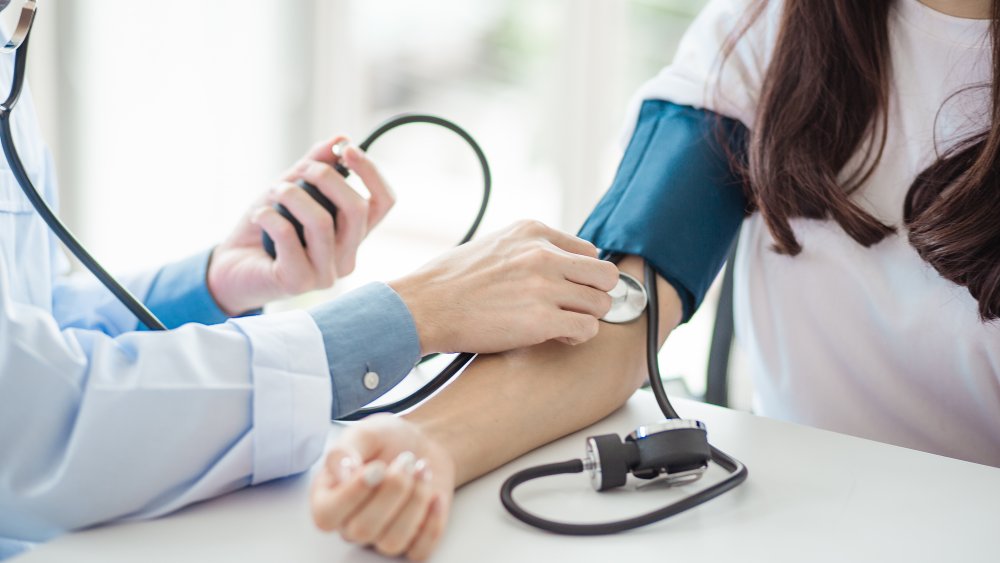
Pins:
x: 507, y: 404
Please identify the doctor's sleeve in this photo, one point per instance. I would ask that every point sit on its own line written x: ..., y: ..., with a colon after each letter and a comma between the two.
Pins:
x: 96, y: 428
x: 177, y: 294
x: 371, y: 344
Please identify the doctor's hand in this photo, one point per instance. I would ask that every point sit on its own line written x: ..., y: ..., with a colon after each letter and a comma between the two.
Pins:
x: 519, y: 287
x: 387, y: 485
x: 242, y: 276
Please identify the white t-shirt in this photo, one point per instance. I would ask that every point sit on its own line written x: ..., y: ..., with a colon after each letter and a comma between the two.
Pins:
x: 867, y: 341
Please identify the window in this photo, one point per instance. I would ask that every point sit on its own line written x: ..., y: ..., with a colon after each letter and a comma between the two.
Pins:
x: 168, y: 119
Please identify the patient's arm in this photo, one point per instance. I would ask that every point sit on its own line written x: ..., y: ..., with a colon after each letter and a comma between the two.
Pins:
x: 508, y: 404
x: 502, y: 406
x: 678, y: 164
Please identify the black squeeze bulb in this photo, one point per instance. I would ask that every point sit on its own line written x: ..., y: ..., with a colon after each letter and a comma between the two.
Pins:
x: 313, y: 191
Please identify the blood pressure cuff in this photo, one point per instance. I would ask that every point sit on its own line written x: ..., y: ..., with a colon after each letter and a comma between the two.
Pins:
x: 675, y: 200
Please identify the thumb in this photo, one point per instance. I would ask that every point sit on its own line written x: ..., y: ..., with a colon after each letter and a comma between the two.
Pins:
x: 340, y: 464
x: 359, y: 442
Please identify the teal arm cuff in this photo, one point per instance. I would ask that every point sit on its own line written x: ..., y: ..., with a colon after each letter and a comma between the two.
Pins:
x: 675, y: 200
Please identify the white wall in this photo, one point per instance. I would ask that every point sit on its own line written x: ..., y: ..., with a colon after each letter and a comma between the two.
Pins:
x: 168, y: 118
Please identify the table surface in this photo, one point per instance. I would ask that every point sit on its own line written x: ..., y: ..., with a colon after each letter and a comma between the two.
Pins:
x: 812, y: 495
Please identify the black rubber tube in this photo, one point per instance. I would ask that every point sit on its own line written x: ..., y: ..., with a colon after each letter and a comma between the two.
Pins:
x: 737, y: 471
x: 145, y: 316
x: 418, y: 396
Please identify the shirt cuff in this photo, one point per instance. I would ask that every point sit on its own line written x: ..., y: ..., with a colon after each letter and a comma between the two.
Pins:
x: 291, y: 393
x: 371, y: 344
x: 179, y: 293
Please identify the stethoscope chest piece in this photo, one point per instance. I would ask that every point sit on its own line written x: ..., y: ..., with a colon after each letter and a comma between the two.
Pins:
x: 628, y: 300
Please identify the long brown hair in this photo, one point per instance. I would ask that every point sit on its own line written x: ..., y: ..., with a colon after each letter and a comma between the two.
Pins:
x: 824, y: 100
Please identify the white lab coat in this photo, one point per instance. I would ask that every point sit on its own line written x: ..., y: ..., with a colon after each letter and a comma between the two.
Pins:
x: 98, y: 422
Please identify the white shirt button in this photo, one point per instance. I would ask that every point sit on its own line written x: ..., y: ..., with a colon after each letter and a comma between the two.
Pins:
x: 370, y: 380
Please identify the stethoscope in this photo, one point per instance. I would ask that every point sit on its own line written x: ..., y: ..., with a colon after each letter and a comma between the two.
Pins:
x: 676, y: 450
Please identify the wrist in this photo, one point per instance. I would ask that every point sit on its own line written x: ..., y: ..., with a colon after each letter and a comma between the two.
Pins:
x: 437, y: 440
x: 218, y: 289
x: 412, y: 290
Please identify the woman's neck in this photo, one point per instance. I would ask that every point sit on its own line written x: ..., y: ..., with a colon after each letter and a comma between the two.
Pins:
x: 973, y: 9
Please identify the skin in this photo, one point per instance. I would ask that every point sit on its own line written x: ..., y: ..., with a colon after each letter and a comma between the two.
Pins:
x: 525, y: 285
x: 501, y: 407
x: 973, y: 9
x: 242, y: 277
x: 518, y: 287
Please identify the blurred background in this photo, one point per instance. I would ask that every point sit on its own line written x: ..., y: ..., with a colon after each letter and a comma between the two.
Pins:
x: 167, y: 119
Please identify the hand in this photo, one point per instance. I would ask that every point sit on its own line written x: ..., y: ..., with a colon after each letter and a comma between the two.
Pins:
x: 385, y: 484
x: 522, y: 286
x: 241, y: 276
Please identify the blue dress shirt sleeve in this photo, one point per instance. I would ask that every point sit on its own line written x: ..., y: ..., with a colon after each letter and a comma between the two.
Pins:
x: 179, y: 293
x: 100, y: 422
x: 371, y: 344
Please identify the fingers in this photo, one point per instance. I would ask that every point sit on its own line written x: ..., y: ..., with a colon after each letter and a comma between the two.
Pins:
x: 430, y: 533
x: 340, y: 464
x: 346, y: 490
x: 292, y: 266
x: 576, y: 328
x: 318, y: 227
x: 598, y: 274
x: 352, y: 211
x: 367, y: 524
x: 323, y: 150
x: 580, y: 263
x: 356, y: 215
x: 364, y: 442
x: 583, y: 299
x: 569, y: 243
x: 382, y: 197
x: 402, y: 532
x: 374, y: 505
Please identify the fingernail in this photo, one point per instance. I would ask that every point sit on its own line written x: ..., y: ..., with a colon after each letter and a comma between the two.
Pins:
x: 420, y: 466
x: 348, y: 466
x: 405, y: 463
x: 374, y: 473
x: 255, y: 217
x: 423, y: 470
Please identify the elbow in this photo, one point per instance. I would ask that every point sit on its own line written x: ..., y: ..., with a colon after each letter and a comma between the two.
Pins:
x: 621, y: 388
x: 614, y: 370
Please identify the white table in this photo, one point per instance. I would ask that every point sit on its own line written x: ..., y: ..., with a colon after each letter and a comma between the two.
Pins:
x: 811, y: 496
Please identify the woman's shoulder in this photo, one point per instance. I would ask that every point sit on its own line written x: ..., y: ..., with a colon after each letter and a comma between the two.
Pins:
x: 722, y: 58
x: 739, y: 28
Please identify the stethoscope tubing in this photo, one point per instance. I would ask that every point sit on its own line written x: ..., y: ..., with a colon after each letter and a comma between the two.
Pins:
x: 145, y: 316
x: 141, y: 312
x: 738, y: 472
